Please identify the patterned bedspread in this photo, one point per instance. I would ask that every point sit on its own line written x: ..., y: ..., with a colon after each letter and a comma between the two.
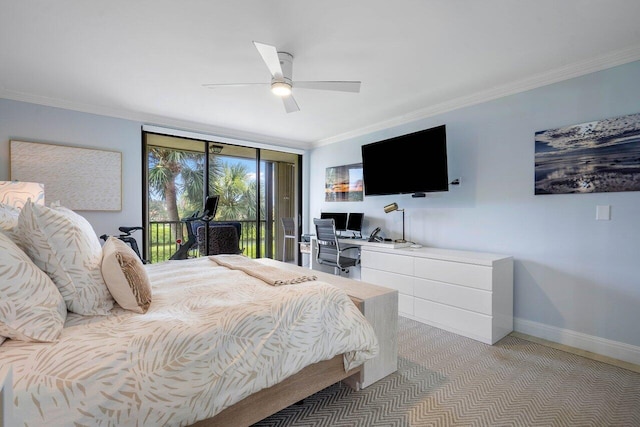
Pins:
x: 211, y: 337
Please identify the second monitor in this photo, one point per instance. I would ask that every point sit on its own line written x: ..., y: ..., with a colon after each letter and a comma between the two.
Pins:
x: 339, y: 219
x: 346, y: 221
x: 354, y: 223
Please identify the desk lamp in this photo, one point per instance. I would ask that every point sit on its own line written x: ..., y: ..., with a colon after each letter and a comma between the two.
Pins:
x: 394, y: 207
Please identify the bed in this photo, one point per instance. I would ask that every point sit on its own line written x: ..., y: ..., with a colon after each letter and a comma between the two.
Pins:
x: 202, y: 344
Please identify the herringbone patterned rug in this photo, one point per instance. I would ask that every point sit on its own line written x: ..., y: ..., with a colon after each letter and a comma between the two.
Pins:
x: 448, y: 380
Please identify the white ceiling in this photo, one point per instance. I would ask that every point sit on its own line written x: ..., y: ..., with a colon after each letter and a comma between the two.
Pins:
x: 148, y: 59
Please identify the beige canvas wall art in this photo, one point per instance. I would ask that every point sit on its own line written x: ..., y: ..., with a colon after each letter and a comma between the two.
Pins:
x: 79, y: 178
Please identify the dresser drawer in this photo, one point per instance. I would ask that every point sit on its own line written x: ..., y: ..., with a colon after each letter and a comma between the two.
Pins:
x: 388, y: 262
x: 473, y: 299
x: 405, y: 305
x: 475, y: 276
x: 473, y: 325
x: 403, y: 284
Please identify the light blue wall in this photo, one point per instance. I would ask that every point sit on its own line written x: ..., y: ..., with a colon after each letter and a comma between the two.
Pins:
x: 34, y: 123
x: 571, y: 271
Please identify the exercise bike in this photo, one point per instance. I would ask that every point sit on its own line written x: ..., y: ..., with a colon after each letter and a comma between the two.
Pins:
x: 210, y: 208
x: 128, y: 239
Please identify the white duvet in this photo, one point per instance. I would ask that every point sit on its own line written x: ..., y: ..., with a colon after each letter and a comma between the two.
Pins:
x: 211, y: 337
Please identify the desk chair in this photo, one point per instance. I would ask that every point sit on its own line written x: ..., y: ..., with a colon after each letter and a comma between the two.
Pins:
x: 289, y: 228
x: 329, y: 251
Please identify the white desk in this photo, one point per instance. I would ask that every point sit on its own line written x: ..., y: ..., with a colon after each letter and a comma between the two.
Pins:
x: 354, y: 272
x: 381, y: 245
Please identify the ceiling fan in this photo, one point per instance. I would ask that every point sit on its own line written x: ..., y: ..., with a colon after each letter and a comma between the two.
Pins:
x: 280, y: 65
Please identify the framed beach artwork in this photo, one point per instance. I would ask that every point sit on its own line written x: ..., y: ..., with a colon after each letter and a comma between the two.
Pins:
x: 344, y: 183
x: 593, y: 157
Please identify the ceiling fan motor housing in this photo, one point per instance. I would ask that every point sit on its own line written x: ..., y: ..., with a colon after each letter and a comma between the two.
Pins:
x: 286, y: 63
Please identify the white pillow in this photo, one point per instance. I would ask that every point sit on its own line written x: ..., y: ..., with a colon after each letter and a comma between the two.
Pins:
x: 31, y: 307
x: 65, y: 246
x: 9, y: 220
x: 125, y: 276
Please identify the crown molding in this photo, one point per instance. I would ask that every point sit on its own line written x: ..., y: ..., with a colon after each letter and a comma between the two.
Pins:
x: 151, y: 119
x: 577, y: 69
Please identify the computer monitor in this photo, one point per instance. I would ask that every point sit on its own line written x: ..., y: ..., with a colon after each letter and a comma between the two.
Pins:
x: 339, y: 218
x: 354, y: 223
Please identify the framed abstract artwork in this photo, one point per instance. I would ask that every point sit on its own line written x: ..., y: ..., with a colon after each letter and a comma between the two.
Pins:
x: 592, y: 157
x: 80, y: 178
x: 344, y: 183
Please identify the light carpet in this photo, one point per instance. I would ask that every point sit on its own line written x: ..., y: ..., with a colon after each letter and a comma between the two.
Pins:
x: 444, y: 379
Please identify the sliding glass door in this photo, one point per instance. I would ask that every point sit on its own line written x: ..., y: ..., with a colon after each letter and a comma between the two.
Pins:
x: 256, y: 187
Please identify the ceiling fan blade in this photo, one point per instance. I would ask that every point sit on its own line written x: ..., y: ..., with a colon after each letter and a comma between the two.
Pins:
x: 214, y: 85
x: 290, y: 104
x: 348, y: 86
x: 270, y: 57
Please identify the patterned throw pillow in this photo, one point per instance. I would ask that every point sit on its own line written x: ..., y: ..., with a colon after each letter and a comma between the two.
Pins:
x: 31, y: 307
x: 65, y: 246
x: 125, y: 276
x: 9, y: 219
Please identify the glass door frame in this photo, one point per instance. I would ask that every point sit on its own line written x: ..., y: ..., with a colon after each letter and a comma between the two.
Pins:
x: 268, y: 243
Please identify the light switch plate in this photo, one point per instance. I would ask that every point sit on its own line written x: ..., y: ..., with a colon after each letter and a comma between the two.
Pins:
x: 603, y: 212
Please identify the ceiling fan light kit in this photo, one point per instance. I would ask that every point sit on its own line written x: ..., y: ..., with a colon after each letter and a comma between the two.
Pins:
x: 280, y: 65
x: 281, y: 88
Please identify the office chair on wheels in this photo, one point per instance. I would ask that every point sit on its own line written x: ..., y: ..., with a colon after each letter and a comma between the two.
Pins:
x: 329, y: 251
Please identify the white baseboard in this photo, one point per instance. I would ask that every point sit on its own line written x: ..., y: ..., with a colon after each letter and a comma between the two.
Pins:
x: 617, y: 350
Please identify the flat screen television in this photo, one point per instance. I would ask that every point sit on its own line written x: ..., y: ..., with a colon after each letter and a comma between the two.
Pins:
x: 339, y: 219
x: 414, y: 163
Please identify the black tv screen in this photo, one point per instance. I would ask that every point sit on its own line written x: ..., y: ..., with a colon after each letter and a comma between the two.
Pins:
x: 412, y: 163
x: 339, y: 219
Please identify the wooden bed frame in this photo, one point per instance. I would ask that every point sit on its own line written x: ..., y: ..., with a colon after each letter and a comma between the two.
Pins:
x: 268, y: 401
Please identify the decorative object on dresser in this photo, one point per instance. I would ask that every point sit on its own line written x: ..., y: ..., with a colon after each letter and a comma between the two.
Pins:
x: 469, y: 293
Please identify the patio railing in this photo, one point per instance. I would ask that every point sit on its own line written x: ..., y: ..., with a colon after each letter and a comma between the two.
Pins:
x: 163, y: 236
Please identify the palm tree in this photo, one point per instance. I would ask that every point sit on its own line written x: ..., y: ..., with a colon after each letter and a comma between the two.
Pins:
x: 165, y: 166
x: 177, y: 178
x: 233, y: 187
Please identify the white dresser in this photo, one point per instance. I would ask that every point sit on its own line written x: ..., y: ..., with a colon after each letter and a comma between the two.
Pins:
x: 468, y: 293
